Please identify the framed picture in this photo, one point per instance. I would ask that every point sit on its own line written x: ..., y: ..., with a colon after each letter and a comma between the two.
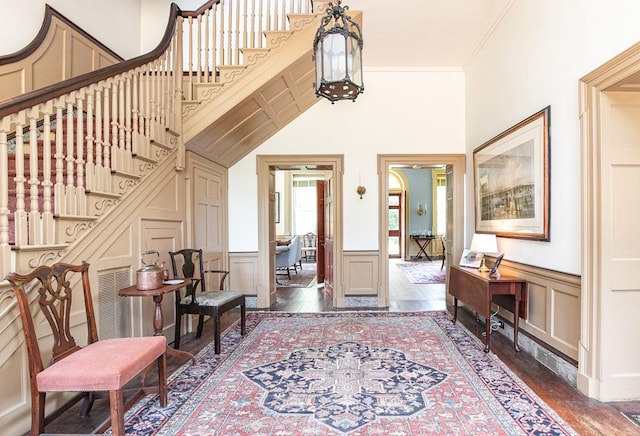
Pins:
x: 277, y: 207
x: 511, y: 175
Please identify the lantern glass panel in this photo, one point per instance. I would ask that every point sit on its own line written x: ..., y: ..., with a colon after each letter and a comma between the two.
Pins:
x: 334, y: 57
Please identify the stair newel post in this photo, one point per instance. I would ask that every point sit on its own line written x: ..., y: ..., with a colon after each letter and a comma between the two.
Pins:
x: 5, y: 248
x: 245, y: 27
x: 128, y: 114
x: 48, y: 236
x: 214, y: 42
x: 90, y: 166
x: 146, y: 99
x: 205, y: 52
x: 143, y: 117
x: 229, y: 30
x: 135, y: 113
x: 106, y: 131
x: 177, y: 96
x: 115, y: 161
x: 123, y: 163
x: 199, y: 57
x: 34, y: 218
x: 99, y: 142
x: 164, y: 90
x: 80, y: 201
x: 189, y: 95
x: 70, y: 186
x: 152, y: 101
x: 157, y: 102
x: 58, y: 188
x: 260, y: 24
x: 20, y: 215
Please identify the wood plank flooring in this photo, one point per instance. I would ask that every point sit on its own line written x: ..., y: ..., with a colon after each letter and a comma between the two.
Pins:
x: 586, y: 416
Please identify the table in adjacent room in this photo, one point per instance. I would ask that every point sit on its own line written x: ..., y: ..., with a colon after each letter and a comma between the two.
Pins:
x: 423, y: 241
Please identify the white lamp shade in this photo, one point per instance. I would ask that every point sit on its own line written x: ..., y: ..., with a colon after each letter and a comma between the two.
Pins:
x: 484, y: 243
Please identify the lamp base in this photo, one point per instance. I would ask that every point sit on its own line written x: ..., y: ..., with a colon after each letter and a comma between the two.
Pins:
x: 483, y: 268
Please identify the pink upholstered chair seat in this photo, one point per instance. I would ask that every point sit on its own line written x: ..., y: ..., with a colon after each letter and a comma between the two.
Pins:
x: 104, y: 365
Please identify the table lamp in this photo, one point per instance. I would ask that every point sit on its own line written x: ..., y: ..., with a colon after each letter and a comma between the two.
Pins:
x: 484, y: 243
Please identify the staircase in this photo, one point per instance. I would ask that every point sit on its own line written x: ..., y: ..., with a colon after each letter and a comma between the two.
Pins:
x: 215, y: 86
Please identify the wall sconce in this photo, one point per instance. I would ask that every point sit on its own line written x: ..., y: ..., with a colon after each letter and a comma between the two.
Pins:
x: 360, y: 190
x: 421, y: 210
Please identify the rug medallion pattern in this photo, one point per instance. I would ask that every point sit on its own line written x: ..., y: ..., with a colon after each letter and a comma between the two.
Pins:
x: 347, y: 373
x: 347, y: 385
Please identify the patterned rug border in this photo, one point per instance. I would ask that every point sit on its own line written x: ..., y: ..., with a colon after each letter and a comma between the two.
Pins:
x: 146, y: 418
x: 634, y: 417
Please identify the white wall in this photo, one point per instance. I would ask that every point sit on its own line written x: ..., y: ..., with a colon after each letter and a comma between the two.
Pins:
x: 117, y: 26
x: 400, y: 112
x: 155, y: 16
x: 127, y: 27
x: 534, y: 59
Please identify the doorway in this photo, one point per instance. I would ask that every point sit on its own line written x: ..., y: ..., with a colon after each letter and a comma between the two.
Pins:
x: 609, y: 112
x: 332, y: 243
x: 455, y: 206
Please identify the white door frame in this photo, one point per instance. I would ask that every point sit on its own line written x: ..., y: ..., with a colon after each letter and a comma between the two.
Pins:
x: 384, y: 161
x: 266, y: 235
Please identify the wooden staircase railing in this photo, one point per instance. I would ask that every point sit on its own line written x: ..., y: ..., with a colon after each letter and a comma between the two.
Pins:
x: 68, y: 150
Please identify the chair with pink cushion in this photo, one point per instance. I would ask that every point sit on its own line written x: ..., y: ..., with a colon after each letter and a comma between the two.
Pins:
x: 101, y: 365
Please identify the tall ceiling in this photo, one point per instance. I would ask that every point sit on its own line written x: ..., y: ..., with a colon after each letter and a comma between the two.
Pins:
x: 425, y: 33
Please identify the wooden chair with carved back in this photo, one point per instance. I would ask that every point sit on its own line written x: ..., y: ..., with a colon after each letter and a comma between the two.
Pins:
x: 212, y: 303
x: 99, y: 366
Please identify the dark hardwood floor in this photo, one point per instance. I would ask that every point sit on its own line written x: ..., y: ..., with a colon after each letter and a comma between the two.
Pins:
x: 586, y: 416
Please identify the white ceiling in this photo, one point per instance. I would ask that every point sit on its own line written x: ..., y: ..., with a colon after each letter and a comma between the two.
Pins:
x: 425, y: 33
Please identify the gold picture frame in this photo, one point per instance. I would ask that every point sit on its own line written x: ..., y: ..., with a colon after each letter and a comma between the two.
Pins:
x: 511, y: 180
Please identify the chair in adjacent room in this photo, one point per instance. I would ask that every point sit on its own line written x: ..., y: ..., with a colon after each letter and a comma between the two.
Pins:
x: 101, y: 365
x: 310, y: 246
x: 211, y: 303
x: 287, y: 257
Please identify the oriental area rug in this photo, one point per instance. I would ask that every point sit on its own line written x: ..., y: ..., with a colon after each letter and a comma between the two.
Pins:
x: 302, y: 278
x: 423, y: 272
x: 347, y: 373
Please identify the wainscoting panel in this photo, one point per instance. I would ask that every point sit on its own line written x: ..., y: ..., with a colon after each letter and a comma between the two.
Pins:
x: 243, y: 276
x: 64, y: 51
x: 360, y: 273
x: 554, y: 306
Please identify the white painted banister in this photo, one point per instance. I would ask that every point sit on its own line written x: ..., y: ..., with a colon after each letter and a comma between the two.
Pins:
x: 62, y: 146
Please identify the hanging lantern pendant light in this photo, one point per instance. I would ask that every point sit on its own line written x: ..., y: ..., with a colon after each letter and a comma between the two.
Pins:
x: 337, y: 53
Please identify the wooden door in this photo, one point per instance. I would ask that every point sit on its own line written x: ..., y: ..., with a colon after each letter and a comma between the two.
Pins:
x: 328, y: 236
x: 618, y: 248
x: 395, y: 225
x: 272, y: 235
x: 320, y: 230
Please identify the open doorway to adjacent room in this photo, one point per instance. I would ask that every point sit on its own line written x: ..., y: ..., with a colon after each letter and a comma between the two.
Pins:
x: 300, y: 206
x: 423, y: 202
x: 299, y: 221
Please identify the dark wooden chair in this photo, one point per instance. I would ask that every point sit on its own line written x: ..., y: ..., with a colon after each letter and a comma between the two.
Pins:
x: 102, y: 365
x: 444, y: 253
x: 211, y: 303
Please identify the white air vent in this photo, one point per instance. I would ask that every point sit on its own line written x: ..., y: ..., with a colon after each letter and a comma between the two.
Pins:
x: 114, y: 312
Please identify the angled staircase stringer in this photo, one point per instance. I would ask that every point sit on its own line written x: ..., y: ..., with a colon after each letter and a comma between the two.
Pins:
x: 129, y: 208
x: 262, y: 100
